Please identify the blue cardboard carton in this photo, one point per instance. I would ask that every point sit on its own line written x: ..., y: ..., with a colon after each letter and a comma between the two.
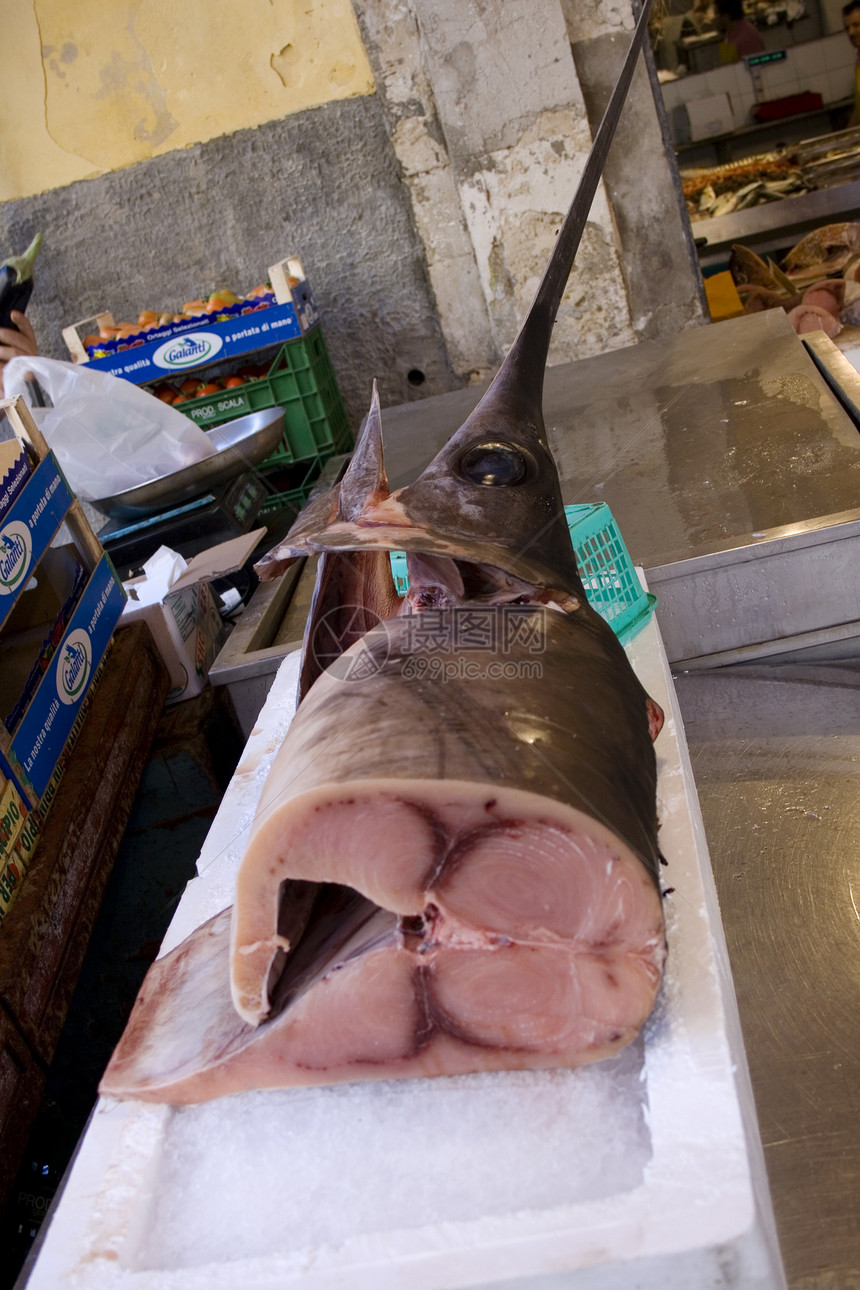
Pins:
x: 35, y: 731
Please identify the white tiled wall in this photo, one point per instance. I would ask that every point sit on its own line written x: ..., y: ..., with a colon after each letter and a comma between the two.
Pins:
x: 825, y: 67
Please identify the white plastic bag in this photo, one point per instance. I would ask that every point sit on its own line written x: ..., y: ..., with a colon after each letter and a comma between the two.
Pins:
x: 106, y: 433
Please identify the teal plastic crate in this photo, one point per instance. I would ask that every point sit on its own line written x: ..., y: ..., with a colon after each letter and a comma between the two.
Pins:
x: 608, y: 574
x: 302, y: 381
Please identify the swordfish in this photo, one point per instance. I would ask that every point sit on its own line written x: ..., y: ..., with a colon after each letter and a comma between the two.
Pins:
x: 454, y: 864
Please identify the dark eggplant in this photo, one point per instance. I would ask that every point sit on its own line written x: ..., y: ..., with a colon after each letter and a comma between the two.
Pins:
x: 16, y: 282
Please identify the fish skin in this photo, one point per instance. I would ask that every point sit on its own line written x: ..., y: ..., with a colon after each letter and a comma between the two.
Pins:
x: 571, y: 752
x: 477, y: 784
x: 747, y: 268
x: 756, y: 298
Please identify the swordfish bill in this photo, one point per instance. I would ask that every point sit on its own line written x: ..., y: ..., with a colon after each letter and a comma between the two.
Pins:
x: 453, y: 866
x: 521, y: 529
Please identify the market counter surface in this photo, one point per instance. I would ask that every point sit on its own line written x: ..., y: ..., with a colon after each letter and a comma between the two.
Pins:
x: 775, y: 751
x: 708, y: 441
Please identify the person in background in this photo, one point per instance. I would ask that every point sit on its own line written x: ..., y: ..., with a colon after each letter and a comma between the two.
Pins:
x: 851, y: 23
x: 737, y: 29
x: 17, y: 344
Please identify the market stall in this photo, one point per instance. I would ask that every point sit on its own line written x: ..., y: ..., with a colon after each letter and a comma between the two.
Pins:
x: 723, y: 455
x: 764, y: 142
x: 449, y: 998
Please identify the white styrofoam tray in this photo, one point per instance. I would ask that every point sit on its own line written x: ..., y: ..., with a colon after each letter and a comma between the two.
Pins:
x: 643, y: 1171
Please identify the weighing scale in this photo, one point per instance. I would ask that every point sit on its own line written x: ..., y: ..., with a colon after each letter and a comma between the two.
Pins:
x: 214, y: 517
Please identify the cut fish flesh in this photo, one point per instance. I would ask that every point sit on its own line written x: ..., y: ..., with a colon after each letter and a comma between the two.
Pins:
x: 425, y: 891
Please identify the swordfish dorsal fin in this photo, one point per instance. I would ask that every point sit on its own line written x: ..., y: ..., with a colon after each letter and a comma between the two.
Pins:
x: 492, y: 494
x: 365, y: 482
x: 364, y: 485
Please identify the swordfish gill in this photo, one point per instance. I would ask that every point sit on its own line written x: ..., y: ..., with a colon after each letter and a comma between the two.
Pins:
x: 446, y: 873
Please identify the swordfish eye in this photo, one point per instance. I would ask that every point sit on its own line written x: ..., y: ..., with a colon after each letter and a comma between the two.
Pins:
x: 494, y: 464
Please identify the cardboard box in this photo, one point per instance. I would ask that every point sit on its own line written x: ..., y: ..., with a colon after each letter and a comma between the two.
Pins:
x: 19, y: 826
x: 37, y: 733
x: 40, y: 736
x: 192, y: 343
x: 710, y: 116
x: 14, y: 473
x: 183, y: 615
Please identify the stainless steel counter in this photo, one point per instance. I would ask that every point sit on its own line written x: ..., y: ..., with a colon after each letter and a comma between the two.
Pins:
x: 775, y: 751
x: 703, y: 441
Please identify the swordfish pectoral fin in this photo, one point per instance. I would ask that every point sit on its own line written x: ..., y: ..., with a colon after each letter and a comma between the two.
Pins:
x: 354, y: 591
x: 314, y: 517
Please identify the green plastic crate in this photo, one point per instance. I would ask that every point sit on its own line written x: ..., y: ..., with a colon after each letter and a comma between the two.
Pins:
x: 292, y: 483
x: 608, y: 574
x: 302, y: 381
x: 292, y: 489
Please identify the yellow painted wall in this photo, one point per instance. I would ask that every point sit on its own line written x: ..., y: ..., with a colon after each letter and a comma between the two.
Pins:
x: 91, y: 86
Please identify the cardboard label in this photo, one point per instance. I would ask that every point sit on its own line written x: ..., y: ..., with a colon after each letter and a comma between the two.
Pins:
x: 44, y: 728
x: 16, y: 851
x: 14, y: 473
x: 12, y: 814
x: 197, y: 345
x: 28, y: 529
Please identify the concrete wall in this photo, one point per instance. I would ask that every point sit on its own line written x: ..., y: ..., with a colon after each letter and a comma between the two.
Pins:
x: 423, y: 195
x: 491, y: 109
x: 657, y: 256
x: 321, y: 183
x: 92, y: 87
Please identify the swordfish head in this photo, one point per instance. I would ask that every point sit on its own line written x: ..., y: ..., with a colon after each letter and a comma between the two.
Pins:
x: 491, y: 498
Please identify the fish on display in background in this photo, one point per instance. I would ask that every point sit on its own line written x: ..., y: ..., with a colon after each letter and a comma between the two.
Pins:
x: 454, y: 863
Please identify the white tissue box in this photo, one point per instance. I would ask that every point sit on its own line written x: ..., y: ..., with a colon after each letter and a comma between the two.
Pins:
x: 179, y: 607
